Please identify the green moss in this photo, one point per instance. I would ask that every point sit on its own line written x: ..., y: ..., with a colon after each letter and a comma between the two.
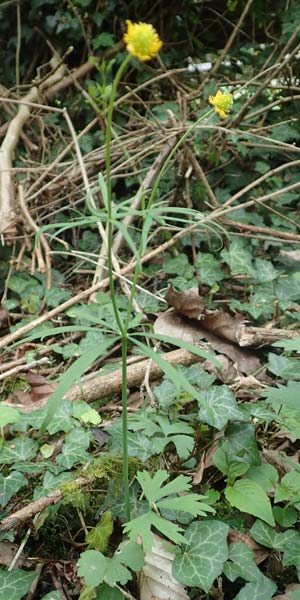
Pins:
x: 107, y: 467
x: 12, y: 384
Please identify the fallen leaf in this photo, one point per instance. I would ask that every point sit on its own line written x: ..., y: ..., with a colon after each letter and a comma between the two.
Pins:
x: 8, y: 552
x: 181, y: 328
x: 197, y: 478
x: 156, y: 581
x: 223, y: 325
x: 187, y: 302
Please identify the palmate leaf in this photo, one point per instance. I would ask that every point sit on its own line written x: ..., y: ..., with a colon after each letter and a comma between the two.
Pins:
x: 191, y: 503
x: 153, y: 488
x: 156, y: 493
x: 142, y: 527
x: 96, y: 568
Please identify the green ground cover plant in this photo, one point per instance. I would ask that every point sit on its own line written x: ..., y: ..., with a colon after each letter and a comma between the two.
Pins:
x: 149, y: 422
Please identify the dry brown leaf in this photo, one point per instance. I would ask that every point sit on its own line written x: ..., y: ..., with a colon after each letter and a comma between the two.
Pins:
x: 156, y: 581
x: 223, y: 325
x: 197, y: 477
x: 8, y: 552
x: 187, y: 302
x: 181, y: 328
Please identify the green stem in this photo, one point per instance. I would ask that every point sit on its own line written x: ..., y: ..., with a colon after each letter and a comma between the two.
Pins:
x: 125, y: 428
x: 122, y: 328
x: 110, y: 231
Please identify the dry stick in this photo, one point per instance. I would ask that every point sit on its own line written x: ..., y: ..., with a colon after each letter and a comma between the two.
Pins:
x: 267, y: 231
x: 43, y: 266
x: 81, y: 71
x: 25, y: 367
x: 260, y: 336
x: 30, y: 104
x: 37, y: 506
x: 99, y: 386
x: 202, y: 177
x: 10, y: 141
x: 260, y: 111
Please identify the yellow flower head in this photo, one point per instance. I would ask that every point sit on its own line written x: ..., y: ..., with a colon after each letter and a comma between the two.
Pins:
x: 222, y: 103
x: 142, y: 40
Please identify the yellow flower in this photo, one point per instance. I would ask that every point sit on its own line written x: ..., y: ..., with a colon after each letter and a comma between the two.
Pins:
x: 222, y: 103
x: 142, y: 40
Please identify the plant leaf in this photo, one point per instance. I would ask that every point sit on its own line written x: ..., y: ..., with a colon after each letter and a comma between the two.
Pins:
x: 249, y: 497
x: 204, y: 554
x: 15, y: 584
x: 219, y: 407
x: 259, y: 589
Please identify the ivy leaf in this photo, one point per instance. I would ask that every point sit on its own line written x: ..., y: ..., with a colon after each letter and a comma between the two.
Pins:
x: 8, y: 415
x: 259, y: 589
x: 139, y: 445
x: 291, y: 549
x: 289, y: 488
x: 286, y: 368
x: 10, y: 485
x: 15, y: 584
x: 219, y: 407
x: 86, y: 414
x: 204, y: 554
x: 266, y: 536
x: 22, y: 448
x: 74, y: 448
x: 98, y: 537
x: 238, y: 258
x: 241, y: 563
x: 249, y: 497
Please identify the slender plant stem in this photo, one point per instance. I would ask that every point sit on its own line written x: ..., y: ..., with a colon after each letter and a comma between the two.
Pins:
x: 110, y: 231
x: 125, y: 427
x: 123, y: 328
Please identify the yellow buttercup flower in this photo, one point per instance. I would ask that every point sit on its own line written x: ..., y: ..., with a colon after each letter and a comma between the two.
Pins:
x: 142, y: 40
x: 222, y: 103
